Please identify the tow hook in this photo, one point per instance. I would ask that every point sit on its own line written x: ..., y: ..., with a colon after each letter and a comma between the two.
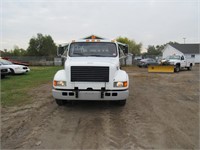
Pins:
x: 102, y: 92
x: 76, y: 92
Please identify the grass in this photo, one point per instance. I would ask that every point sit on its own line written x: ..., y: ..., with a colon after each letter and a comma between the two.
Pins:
x: 14, y: 89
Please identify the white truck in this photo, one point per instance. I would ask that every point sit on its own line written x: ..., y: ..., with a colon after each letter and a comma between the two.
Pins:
x: 91, y: 72
x: 180, y: 61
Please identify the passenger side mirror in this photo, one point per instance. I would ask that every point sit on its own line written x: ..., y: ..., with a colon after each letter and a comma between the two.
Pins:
x: 60, y: 50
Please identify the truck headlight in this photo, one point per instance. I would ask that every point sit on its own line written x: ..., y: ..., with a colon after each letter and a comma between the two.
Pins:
x: 59, y: 83
x: 121, y: 84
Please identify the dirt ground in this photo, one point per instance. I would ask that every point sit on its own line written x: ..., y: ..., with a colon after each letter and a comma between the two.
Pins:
x: 162, y: 112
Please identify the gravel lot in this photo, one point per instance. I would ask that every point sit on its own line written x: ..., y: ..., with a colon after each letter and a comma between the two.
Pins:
x: 162, y: 112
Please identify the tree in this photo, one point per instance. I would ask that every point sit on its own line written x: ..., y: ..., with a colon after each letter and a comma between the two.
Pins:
x: 41, y: 46
x: 151, y: 50
x: 134, y: 48
x: 18, y: 51
x: 15, y: 52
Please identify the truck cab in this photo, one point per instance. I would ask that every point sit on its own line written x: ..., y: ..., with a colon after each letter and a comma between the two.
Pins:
x: 91, y: 72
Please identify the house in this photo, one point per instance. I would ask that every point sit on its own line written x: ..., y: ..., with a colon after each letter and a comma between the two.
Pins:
x: 189, y: 50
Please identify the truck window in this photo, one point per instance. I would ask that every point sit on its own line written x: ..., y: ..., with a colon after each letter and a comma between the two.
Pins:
x: 93, y: 49
x: 173, y: 57
x: 121, y: 53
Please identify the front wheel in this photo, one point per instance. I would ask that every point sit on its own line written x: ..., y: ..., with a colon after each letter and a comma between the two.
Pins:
x: 177, y: 68
x: 59, y: 102
x: 122, y: 102
x: 12, y: 71
x: 2, y: 76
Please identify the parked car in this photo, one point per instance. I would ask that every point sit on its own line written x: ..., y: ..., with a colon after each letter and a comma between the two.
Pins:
x: 15, y: 69
x: 4, y: 71
x: 138, y: 58
x: 146, y: 62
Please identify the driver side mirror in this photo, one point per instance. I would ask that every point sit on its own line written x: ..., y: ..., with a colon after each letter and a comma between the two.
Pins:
x: 125, y: 50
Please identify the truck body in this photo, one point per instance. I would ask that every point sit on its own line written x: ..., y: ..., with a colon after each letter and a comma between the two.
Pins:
x: 91, y: 72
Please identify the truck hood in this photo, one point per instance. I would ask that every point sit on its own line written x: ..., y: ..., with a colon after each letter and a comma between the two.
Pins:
x: 92, y: 61
x: 173, y: 60
x: 14, y: 66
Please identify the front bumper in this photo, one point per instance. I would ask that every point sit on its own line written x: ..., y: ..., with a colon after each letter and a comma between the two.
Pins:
x: 20, y: 71
x: 90, y: 95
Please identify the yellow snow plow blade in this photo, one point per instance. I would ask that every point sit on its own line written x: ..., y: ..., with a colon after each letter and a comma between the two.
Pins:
x: 164, y: 69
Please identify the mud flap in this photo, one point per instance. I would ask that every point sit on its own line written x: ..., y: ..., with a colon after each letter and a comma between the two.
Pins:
x: 161, y: 69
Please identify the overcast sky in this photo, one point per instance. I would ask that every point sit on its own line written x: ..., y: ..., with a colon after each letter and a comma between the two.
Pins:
x: 151, y: 22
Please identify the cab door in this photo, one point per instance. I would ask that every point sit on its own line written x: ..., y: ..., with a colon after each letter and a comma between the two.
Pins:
x: 183, y: 61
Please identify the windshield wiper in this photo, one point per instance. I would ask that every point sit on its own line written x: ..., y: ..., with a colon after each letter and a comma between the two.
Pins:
x: 80, y: 54
x: 97, y: 55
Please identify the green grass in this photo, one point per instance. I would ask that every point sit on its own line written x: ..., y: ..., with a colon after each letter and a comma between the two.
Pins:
x: 14, y: 89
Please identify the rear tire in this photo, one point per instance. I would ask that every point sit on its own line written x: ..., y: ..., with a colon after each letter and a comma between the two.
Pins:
x: 122, y: 102
x: 190, y: 68
x: 59, y: 102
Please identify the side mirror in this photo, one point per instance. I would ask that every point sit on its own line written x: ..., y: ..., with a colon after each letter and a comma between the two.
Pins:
x: 125, y: 49
x: 60, y: 50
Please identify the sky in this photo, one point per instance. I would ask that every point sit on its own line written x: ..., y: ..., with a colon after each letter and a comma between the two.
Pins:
x: 150, y: 22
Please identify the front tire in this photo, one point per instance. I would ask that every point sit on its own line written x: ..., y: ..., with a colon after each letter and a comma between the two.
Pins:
x: 2, y: 76
x: 59, y: 102
x: 177, y: 68
x: 12, y: 71
x: 122, y: 102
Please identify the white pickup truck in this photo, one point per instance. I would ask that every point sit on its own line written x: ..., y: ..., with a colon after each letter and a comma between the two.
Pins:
x: 180, y: 62
x: 91, y: 72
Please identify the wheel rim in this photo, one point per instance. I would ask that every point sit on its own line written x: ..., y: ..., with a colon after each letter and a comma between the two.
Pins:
x: 177, y: 69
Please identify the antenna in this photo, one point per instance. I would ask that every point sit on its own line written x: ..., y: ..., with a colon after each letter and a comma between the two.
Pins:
x: 184, y: 39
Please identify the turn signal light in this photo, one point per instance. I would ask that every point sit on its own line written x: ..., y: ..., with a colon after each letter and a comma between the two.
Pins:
x: 125, y: 84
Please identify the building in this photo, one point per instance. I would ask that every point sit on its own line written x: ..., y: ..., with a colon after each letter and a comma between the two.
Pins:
x: 189, y: 50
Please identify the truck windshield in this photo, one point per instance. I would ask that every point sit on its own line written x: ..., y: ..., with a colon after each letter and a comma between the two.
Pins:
x: 93, y: 49
x: 174, y: 57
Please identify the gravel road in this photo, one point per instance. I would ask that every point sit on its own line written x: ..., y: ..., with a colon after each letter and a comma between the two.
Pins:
x: 162, y: 112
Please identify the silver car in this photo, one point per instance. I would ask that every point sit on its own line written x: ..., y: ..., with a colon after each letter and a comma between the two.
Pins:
x: 146, y: 62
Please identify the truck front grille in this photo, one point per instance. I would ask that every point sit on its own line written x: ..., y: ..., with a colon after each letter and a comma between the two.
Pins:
x: 89, y: 74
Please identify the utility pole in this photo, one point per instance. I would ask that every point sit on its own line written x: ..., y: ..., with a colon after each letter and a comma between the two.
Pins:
x: 184, y: 39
